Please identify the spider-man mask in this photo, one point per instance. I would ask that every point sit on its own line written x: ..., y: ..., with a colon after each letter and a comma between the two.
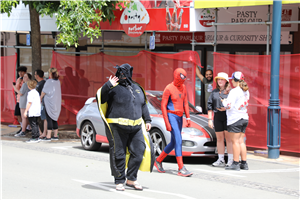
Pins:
x: 179, y: 77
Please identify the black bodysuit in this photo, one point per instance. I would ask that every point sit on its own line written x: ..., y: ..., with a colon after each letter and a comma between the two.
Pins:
x: 125, y: 101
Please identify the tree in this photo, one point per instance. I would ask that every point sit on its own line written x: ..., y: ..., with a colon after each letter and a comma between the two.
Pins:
x: 74, y: 19
x: 35, y: 9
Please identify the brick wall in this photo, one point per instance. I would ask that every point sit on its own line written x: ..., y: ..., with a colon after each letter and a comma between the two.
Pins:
x: 296, y: 38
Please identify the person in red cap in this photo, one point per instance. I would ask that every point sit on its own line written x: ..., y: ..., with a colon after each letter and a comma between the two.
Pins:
x: 174, y: 103
x: 237, y: 119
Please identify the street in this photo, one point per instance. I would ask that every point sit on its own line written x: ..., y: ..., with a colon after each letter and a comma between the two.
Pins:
x: 63, y: 170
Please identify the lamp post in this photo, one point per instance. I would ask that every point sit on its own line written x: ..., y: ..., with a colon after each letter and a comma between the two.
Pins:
x: 274, y: 110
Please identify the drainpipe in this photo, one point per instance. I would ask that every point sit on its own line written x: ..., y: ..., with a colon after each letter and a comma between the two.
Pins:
x: 274, y: 110
x: 268, y: 32
x: 215, y: 38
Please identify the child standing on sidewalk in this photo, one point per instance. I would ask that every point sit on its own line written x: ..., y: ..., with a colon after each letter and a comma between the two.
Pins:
x: 33, y: 110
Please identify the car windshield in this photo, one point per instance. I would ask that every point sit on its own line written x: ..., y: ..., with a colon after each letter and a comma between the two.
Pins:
x: 154, y: 104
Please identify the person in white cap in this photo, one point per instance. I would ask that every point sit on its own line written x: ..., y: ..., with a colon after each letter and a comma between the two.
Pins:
x: 237, y: 119
x: 216, y: 110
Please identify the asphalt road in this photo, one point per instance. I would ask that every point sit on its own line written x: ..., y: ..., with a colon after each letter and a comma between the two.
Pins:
x: 63, y: 170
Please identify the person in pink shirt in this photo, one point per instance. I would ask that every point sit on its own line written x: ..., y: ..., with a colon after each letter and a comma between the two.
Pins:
x: 18, y: 84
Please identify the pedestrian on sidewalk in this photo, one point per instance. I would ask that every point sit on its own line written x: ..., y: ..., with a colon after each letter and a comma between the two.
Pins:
x: 217, y: 112
x: 33, y: 110
x: 52, y: 99
x: 123, y: 107
x: 174, y: 103
x: 39, y: 76
x: 22, y: 103
x: 237, y: 119
x: 17, y: 86
x: 208, y: 81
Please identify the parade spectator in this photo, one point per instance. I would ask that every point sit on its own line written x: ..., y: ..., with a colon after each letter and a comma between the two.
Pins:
x: 174, y: 103
x: 39, y: 76
x: 52, y: 100
x: 84, y: 83
x: 208, y: 83
x: 33, y: 110
x: 83, y: 88
x: 237, y: 119
x: 22, y: 103
x: 21, y: 71
x: 123, y: 107
x: 217, y: 112
x: 69, y: 89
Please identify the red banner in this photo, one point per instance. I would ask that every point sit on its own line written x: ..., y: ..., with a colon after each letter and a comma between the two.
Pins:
x: 257, y: 69
x: 153, y: 71
x: 8, y: 76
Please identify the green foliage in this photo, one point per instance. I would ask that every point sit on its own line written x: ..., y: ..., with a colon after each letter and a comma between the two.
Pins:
x: 6, y: 6
x: 42, y: 7
x: 82, y: 18
x: 73, y: 18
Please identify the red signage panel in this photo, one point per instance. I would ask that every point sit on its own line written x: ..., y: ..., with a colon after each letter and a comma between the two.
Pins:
x: 161, y: 19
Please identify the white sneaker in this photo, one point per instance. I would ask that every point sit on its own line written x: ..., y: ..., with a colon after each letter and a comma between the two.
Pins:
x: 21, y: 134
x: 229, y: 163
x: 219, y: 163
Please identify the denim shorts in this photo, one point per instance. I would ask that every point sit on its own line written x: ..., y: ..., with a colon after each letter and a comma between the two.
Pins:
x: 43, y: 112
x: 238, y: 127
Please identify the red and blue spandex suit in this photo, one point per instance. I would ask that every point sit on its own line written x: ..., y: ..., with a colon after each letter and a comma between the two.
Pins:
x: 174, y: 103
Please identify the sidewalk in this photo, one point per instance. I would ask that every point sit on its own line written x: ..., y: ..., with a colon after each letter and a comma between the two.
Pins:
x: 65, y: 132
x: 68, y: 132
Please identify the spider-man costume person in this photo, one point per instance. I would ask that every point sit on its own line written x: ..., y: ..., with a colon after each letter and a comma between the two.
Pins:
x: 174, y: 103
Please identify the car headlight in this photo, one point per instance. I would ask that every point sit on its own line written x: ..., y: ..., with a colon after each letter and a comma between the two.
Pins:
x: 192, y: 131
x: 187, y: 143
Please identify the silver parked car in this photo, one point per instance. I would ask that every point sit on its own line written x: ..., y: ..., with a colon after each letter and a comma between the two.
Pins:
x: 197, y: 140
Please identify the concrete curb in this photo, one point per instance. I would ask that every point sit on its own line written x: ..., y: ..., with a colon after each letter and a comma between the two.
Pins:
x: 64, y: 132
x: 68, y: 133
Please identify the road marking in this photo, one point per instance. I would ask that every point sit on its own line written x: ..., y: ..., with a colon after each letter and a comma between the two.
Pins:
x: 270, y: 171
x: 102, y: 186
x: 233, y: 173
x: 63, y: 148
x: 168, y: 193
x: 218, y: 172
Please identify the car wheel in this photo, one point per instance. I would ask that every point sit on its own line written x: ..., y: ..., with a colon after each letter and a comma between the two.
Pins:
x: 158, y: 140
x: 88, y: 137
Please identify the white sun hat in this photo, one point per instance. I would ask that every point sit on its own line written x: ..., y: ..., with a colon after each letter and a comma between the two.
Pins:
x: 222, y: 75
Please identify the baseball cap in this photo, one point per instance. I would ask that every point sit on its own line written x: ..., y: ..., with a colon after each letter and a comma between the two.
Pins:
x: 237, y: 76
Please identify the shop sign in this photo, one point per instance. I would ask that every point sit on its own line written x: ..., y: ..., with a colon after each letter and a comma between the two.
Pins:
x: 244, y: 37
x: 178, y: 38
x: 241, y: 15
x: 134, y: 19
x: 160, y: 19
x: 236, y: 3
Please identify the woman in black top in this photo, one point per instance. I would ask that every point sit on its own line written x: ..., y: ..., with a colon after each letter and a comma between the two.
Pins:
x: 215, y: 106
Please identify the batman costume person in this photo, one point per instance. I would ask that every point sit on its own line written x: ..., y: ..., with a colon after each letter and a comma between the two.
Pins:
x: 174, y: 103
x: 123, y: 107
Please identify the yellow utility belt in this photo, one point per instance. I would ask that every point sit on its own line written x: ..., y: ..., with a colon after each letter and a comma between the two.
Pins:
x: 124, y: 121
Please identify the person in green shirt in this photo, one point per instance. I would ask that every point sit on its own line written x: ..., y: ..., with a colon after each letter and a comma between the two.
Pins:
x: 208, y: 83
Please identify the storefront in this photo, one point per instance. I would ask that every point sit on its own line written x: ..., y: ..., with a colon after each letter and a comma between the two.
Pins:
x: 174, y: 29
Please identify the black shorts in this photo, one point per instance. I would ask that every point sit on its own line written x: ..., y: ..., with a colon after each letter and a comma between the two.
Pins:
x: 238, y: 127
x: 17, y: 110
x: 220, y: 121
